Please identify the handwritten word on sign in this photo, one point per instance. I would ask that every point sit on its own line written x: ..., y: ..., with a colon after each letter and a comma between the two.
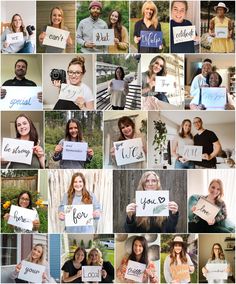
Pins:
x: 129, y: 151
x: 56, y: 37
x: 206, y: 210
x: 183, y: 34
x: 152, y: 203
x: 70, y: 92
x: 164, y: 84
x: 21, y: 98
x: 31, y: 272
x: 134, y: 271
x: 103, y: 37
x: 216, y: 271
x: 16, y: 150
x: 213, y: 98
x: 150, y: 39
x: 92, y: 273
x: 192, y: 153
x: 22, y: 217
x: 75, y: 151
x: 180, y: 273
x: 15, y: 38
x: 221, y: 32
x: 78, y: 215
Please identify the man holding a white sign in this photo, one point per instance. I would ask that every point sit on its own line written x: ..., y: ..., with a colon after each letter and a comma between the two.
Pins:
x: 86, y: 28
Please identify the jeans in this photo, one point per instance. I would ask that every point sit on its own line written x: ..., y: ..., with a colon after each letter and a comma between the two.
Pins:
x: 186, y: 165
x: 27, y: 48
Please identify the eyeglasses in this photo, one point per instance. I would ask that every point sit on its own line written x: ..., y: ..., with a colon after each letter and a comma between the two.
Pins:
x: 24, y: 199
x: 76, y: 73
x: 197, y: 121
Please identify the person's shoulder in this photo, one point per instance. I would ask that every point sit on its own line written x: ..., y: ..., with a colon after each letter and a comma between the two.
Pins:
x: 139, y: 22
x: 30, y: 82
x: 187, y: 22
x: 84, y: 21
x: 8, y: 82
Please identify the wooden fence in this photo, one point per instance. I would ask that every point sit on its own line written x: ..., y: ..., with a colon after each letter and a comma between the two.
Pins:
x: 25, y: 183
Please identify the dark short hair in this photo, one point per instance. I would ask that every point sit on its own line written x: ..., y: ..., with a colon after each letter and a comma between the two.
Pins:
x: 207, y: 60
x: 209, y: 75
x: 22, y: 60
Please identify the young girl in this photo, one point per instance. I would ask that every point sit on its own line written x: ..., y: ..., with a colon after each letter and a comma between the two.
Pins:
x: 56, y: 21
x: 178, y: 256
x: 37, y: 256
x: 220, y: 20
x: 140, y: 254
x: 17, y: 26
x: 215, y: 194
x: 151, y: 181
x: 77, y: 194
x: 121, y: 34
x: 183, y: 138
x: 95, y: 258
x: 73, y: 133
x: 25, y: 200
x: 119, y: 89
x: 217, y: 256
x: 72, y: 268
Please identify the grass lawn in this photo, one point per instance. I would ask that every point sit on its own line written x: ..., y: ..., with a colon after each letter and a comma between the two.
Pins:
x: 109, y: 255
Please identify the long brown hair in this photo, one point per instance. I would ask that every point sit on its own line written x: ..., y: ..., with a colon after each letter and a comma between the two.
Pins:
x: 22, y: 28
x: 127, y: 121
x: 163, y: 71
x: 86, y: 197
x: 67, y: 133
x: 181, y: 131
x: 173, y: 256
x: 151, y: 5
x: 118, y: 25
x: 221, y: 253
x: 61, y: 25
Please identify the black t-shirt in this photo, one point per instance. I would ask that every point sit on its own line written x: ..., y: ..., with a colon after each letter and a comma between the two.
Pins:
x: 206, y: 140
x: 69, y: 268
x: 19, y: 83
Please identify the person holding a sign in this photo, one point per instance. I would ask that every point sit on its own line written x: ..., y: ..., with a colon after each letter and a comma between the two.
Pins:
x: 17, y: 38
x: 212, y: 218
x: 217, y: 257
x: 78, y: 194
x: 149, y: 23
x: 121, y: 40
x: 139, y: 254
x: 221, y: 29
x: 79, y: 96
x: 56, y: 22
x: 178, y: 265
x: 24, y: 200
x: 73, y: 133
x: 183, y: 138
x: 95, y: 258
x: 36, y: 256
x: 72, y: 268
x: 133, y: 224
x: 119, y: 89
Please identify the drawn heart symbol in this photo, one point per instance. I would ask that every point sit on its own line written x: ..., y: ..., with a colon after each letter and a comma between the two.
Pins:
x: 161, y: 199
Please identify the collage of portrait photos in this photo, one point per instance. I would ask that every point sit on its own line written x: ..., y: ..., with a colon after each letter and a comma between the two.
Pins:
x: 118, y: 141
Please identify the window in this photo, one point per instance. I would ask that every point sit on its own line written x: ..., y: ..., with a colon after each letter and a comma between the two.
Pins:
x: 9, y: 249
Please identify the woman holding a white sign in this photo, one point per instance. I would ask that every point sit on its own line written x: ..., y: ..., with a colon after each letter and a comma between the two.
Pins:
x: 73, y: 133
x: 139, y: 254
x: 56, y: 22
x: 95, y: 258
x: 151, y: 224
x: 75, y: 95
x: 78, y: 195
x: 217, y: 257
x: 118, y: 89
x: 178, y: 265
x: 17, y: 39
x: 183, y: 138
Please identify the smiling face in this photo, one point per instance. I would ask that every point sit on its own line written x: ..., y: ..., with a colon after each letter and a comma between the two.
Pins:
x: 216, y: 250
x: 152, y: 183
x: 214, y: 190
x: 127, y: 131
x: 206, y: 68
x: 36, y: 253
x: 56, y: 17
x: 24, y: 200
x: 20, y: 69
x: 214, y: 80
x: 73, y: 131
x: 79, y: 256
x: 95, y: 12
x: 138, y: 248
x: 158, y: 66
x: 119, y: 74
x: 78, y: 184
x: 94, y: 257
x: 17, y: 22
x: 220, y: 11
x: 178, y: 12
x: 148, y: 13
x: 75, y: 74
x: 23, y: 126
x: 187, y: 127
x: 178, y: 248
x: 197, y: 123
x: 114, y: 17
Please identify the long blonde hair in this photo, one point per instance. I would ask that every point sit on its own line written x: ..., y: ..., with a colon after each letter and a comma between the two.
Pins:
x: 220, y: 183
x: 151, y: 5
x: 61, y: 25
x: 42, y: 259
x: 100, y: 259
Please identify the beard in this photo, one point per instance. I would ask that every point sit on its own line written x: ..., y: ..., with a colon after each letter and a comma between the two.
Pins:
x: 95, y: 15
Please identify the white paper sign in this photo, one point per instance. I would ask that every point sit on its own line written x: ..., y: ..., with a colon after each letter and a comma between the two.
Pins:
x: 22, y: 217
x: 152, y: 203
x: 183, y: 34
x: 91, y: 273
x: 129, y: 151
x: 70, y: 92
x: 75, y: 151
x: 216, y: 271
x: 103, y: 36
x: 206, y: 210
x: 134, y: 271
x: 78, y: 215
x: 56, y: 37
x: 118, y: 85
x: 21, y: 98
x: 15, y: 37
x: 31, y: 272
x: 221, y: 32
x: 192, y: 153
x: 213, y: 98
x: 164, y: 84
x: 16, y: 150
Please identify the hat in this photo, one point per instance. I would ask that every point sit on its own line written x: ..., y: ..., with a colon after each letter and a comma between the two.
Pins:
x: 178, y: 239
x: 95, y: 3
x: 221, y: 5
